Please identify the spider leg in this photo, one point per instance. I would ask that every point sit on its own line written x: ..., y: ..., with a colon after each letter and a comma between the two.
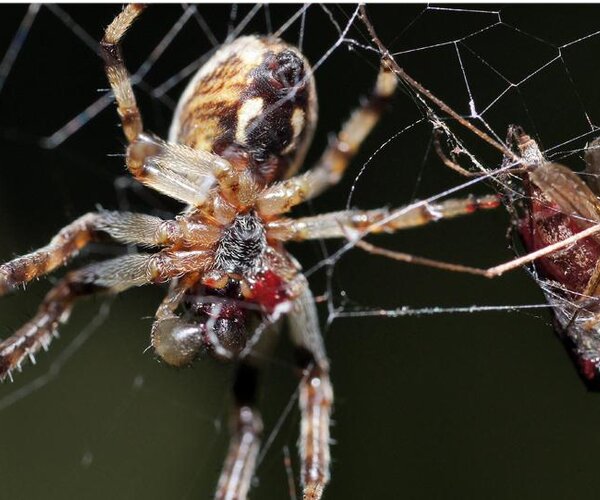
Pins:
x: 245, y: 424
x: 111, y: 276
x: 330, y: 168
x: 178, y: 171
x: 354, y: 224
x: 245, y: 427
x: 342, y: 224
x: 150, y: 231
x: 172, y: 169
x: 324, y: 229
x: 316, y: 395
x: 178, y: 342
x: 125, y: 227
x: 117, y: 73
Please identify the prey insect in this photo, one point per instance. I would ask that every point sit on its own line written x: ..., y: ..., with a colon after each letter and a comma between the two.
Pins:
x: 237, y: 140
x: 557, y: 217
x: 558, y: 205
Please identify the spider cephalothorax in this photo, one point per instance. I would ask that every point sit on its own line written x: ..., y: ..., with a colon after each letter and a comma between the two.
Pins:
x: 238, y: 287
x: 240, y: 133
x: 242, y: 245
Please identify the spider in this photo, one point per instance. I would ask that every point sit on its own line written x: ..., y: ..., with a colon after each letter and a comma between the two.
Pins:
x: 238, y: 137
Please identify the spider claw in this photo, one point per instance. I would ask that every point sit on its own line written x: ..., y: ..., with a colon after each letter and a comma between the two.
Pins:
x: 31, y: 358
x: 313, y: 490
x: 45, y: 342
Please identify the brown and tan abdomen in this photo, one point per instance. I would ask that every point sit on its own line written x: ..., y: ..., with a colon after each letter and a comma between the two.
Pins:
x: 253, y: 103
x: 208, y: 103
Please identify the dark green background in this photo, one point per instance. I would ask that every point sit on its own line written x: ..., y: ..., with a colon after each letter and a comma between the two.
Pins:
x: 483, y: 405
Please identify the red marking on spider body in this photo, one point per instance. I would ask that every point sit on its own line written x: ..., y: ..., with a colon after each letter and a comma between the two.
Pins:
x: 269, y: 291
x: 471, y: 208
x: 486, y: 203
x: 489, y: 205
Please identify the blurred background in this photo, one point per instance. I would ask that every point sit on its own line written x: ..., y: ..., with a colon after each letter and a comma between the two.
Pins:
x: 446, y: 405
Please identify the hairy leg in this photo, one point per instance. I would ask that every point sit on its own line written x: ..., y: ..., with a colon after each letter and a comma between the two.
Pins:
x: 355, y: 224
x: 316, y: 396
x: 245, y: 424
x: 341, y: 224
x: 111, y: 276
x: 117, y: 73
x: 245, y: 427
x: 125, y: 227
x: 172, y: 169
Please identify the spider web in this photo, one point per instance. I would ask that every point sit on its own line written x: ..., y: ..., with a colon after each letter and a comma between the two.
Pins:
x: 445, y: 383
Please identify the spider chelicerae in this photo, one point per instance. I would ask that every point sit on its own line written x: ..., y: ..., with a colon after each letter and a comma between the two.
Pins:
x: 238, y: 137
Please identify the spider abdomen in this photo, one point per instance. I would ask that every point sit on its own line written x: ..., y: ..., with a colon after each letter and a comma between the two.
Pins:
x: 253, y: 103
